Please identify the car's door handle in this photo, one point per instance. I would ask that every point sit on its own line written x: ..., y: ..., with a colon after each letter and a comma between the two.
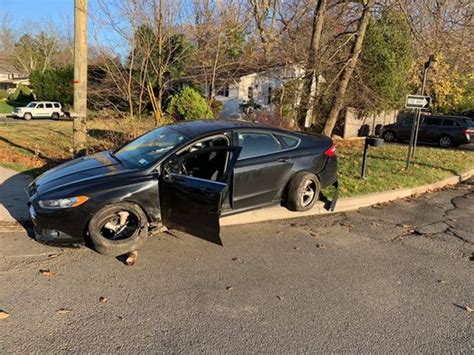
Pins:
x: 283, y: 160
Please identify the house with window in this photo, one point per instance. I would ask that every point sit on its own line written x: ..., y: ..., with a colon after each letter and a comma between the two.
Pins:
x: 257, y: 87
x: 11, y: 78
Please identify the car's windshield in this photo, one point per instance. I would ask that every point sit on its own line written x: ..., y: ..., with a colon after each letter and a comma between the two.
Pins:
x: 31, y: 104
x: 147, y: 149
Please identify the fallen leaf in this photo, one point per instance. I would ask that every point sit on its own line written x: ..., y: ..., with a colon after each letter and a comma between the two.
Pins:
x: 235, y: 259
x: 279, y: 297
x: 296, y: 248
x: 406, y: 226
x: 52, y: 256
x: 102, y: 299
x: 469, y: 309
x: 132, y: 258
x: 4, y: 315
x: 441, y: 281
x: 320, y: 246
x: 47, y: 272
x: 229, y: 288
x: 63, y: 310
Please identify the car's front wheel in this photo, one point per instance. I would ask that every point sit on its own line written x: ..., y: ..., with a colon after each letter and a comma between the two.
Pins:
x: 303, y: 191
x: 117, y: 229
x: 389, y: 136
x: 27, y: 116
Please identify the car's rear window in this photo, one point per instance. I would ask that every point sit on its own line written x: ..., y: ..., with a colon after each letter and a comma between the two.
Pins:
x: 56, y: 105
x: 290, y: 142
x: 255, y: 144
x: 469, y: 122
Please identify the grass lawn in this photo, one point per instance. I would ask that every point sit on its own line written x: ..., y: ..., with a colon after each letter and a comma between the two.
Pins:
x: 37, y: 145
x: 4, y: 107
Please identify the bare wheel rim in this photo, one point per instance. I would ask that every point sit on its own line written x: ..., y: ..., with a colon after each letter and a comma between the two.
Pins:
x: 120, y: 225
x: 308, y: 192
x: 445, y: 141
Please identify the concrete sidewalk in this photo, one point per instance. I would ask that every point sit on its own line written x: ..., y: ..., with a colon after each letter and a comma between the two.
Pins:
x: 13, y: 209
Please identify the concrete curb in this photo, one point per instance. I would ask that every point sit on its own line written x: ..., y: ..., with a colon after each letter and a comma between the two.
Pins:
x: 343, y: 204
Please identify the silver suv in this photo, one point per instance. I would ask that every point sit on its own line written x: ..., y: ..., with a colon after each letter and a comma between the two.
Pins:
x: 39, y: 109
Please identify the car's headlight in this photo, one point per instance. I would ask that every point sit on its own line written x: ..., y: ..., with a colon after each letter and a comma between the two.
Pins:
x: 64, y: 202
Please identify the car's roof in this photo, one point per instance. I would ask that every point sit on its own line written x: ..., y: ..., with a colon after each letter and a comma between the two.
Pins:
x: 200, y: 127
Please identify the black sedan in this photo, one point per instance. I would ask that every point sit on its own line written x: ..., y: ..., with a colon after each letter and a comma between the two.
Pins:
x: 184, y: 176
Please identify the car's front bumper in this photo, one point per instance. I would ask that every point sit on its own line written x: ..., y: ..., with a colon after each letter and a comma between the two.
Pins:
x: 65, y: 226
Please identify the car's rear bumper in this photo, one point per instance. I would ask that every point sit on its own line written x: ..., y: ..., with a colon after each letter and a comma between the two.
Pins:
x: 328, y: 176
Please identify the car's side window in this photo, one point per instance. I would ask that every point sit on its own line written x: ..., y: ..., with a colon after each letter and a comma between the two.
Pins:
x: 255, y: 144
x: 56, y: 105
x: 450, y: 123
x: 49, y: 105
x: 407, y: 122
x: 290, y: 142
x: 432, y: 121
x: 40, y: 106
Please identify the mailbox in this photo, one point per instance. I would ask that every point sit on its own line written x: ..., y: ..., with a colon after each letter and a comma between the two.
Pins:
x: 373, y: 142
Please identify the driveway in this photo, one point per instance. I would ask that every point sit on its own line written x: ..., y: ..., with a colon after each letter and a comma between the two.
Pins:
x: 391, y: 278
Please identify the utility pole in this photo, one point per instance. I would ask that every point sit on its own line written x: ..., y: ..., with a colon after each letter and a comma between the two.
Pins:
x: 80, y: 77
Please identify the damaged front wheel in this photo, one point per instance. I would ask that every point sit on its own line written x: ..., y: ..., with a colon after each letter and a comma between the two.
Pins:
x: 117, y: 229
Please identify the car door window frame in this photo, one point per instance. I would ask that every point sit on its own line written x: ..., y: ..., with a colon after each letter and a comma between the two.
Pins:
x: 235, y: 138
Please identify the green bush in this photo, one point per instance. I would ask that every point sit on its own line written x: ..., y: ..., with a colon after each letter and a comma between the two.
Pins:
x: 54, y: 84
x: 188, y: 105
x: 3, y: 94
x: 21, y: 95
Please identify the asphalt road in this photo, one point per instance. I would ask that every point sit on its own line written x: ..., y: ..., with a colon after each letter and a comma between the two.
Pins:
x: 392, y: 278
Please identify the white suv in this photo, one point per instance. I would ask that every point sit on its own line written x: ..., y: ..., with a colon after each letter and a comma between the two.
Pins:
x: 36, y: 109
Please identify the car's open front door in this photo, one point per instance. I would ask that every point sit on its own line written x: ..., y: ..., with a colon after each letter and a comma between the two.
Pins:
x: 192, y: 188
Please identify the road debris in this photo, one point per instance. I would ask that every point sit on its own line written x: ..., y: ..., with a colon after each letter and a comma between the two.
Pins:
x: 229, y: 288
x: 102, y: 299
x: 131, y: 258
x: 47, y: 272
x: 4, y: 315
x: 63, y: 311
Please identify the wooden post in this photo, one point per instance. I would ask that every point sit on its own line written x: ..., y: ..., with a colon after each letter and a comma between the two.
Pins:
x: 80, y: 77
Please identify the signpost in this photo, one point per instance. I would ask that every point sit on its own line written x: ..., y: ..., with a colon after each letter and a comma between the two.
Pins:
x: 418, y: 102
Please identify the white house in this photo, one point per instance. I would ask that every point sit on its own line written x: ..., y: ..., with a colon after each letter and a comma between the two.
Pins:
x: 10, y: 79
x: 259, y: 87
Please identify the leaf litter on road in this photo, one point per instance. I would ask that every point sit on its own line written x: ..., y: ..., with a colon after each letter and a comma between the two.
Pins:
x: 4, y: 315
x: 63, y: 311
x: 47, y: 272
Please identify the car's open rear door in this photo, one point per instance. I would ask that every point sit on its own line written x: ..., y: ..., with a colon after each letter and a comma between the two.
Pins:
x: 193, y: 205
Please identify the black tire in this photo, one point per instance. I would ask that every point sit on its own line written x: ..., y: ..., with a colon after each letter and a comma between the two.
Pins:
x: 389, y: 136
x: 445, y: 142
x: 27, y: 116
x: 55, y: 116
x: 298, y: 196
x: 130, y: 236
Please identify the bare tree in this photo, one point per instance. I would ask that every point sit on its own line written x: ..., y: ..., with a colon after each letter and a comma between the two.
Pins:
x: 348, y: 69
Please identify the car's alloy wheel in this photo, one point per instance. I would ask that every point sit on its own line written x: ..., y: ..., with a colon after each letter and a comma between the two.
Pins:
x: 303, y: 191
x: 389, y: 136
x: 308, y: 192
x: 445, y: 142
x: 119, y: 228
x: 27, y: 116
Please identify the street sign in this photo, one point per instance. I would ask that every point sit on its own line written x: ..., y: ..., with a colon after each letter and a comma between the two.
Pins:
x: 417, y: 101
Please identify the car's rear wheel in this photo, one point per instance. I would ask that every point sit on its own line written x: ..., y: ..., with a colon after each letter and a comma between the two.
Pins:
x: 55, y: 116
x: 389, y: 136
x: 27, y: 116
x: 445, y: 142
x: 303, y: 191
x: 117, y: 229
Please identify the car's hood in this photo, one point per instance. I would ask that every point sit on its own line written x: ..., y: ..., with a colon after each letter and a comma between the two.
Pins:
x: 78, y: 171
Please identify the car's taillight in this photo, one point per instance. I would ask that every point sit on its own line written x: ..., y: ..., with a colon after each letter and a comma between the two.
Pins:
x: 331, y: 151
x: 469, y: 131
